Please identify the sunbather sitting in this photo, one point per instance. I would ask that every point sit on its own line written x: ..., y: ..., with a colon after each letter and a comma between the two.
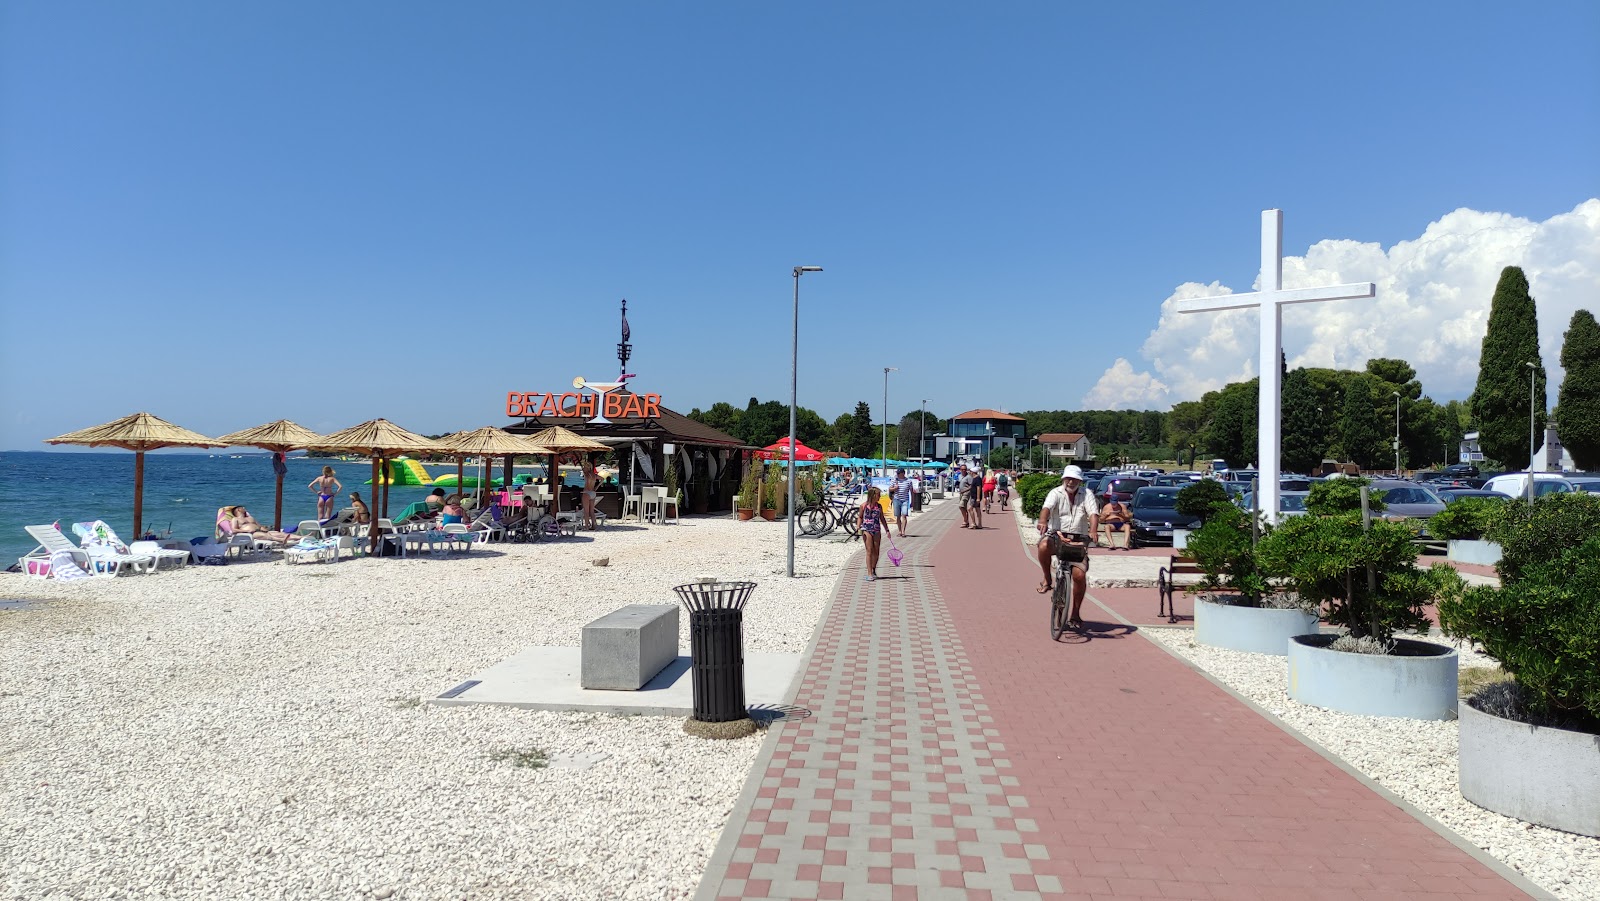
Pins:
x: 236, y: 520
x: 453, y: 511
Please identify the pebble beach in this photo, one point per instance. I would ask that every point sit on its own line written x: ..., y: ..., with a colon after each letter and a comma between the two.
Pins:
x: 260, y: 729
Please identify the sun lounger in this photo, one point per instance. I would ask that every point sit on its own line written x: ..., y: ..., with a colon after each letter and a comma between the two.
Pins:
x: 97, y: 535
x: 311, y: 550
x: 100, y: 561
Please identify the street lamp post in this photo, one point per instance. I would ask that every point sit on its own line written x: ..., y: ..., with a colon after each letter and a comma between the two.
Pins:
x: 1533, y: 446
x: 794, y: 383
x: 1396, y: 433
x: 886, y: 371
x: 922, y: 437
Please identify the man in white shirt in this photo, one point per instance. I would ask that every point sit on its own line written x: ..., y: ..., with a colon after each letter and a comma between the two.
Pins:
x: 1069, y: 508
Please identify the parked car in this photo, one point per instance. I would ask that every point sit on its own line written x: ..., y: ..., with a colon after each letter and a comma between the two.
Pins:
x: 1515, y: 484
x: 1587, y: 483
x: 1290, y: 503
x: 1406, y: 500
x: 1460, y: 470
x: 1155, y: 515
x: 1120, y: 487
x: 1180, y: 479
x: 1451, y: 495
x: 1294, y: 483
x: 1242, y: 476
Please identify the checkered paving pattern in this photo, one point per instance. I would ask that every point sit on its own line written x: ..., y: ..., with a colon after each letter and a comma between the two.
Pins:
x: 954, y: 751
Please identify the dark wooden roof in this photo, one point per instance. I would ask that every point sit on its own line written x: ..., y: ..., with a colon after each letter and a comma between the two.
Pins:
x: 668, y: 426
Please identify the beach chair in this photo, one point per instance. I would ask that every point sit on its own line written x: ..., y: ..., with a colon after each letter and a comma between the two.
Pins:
x: 65, y: 568
x: 99, y: 535
x: 100, y: 561
x: 488, y: 522
x: 154, y: 549
x: 40, y: 561
x: 460, y: 533
x: 313, y: 550
x: 208, y: 550
x: 108, y: 554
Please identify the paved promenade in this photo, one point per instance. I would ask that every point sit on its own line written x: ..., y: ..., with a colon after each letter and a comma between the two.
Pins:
x: 954, y: 751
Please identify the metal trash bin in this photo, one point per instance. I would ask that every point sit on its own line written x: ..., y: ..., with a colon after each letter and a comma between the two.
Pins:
x: 716, y: 645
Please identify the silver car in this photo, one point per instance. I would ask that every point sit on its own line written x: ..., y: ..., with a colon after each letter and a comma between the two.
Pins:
x: 1406, y: 500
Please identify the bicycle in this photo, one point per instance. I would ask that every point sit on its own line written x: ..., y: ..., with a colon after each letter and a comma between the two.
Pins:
x: 828, y: 514
x: 1062, y: 599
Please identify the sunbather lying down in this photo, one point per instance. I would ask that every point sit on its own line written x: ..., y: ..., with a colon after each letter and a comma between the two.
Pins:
x: 237, y: 520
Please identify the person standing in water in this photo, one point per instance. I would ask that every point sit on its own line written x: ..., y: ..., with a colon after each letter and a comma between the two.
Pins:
x: 326, y: 487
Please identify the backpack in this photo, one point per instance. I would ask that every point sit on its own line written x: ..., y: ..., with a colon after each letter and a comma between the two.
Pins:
x: 1002, y: 481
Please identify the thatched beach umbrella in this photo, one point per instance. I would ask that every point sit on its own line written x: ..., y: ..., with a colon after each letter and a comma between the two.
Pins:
x: 561, y: 441
x: 378, y: 438
x: 487, y: 442
x: 280, y: 437
x: 138, y: 433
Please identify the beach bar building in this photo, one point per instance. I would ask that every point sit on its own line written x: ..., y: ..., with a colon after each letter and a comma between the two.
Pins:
x: 645, y: 435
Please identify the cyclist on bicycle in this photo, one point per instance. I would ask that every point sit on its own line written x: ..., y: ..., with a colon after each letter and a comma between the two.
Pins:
x: 1067, y: 523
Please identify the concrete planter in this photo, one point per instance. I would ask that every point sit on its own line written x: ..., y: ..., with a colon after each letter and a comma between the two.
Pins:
x: 1417, y: 681
x: 1464, y: 550
x: 1180, y: 538
x: 1260, y: 630
x: 1539, y: 774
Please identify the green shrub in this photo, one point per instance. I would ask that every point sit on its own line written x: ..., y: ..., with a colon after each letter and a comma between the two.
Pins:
x: 1543, y: 622
x: 1468, y: 518
x: 1222, y: 549
x: 1032, y: 490
x: 1324, y: 560
x: 1203, y: 498
x: 1529, y: 535
x: 750, y: 486
x: 777, y: 488
x: 1334, y: 496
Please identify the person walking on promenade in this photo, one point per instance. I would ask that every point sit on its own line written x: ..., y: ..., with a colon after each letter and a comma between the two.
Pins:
x: 1067, y: 508
x: 872, y: 529
x: 900, y: 490
x: 960, y: 486
x: 326, y: 488
x: 972, y: 495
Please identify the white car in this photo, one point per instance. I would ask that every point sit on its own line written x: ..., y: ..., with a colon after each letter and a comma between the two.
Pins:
x: 1515, y: 484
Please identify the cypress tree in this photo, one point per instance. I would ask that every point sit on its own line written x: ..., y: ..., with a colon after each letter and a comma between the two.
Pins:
x: 1361, y: 427
x: 1578, y: 400
x: 1305, y: 433
x: 1500, y: 400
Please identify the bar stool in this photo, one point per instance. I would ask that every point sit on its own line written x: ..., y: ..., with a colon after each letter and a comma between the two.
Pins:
x: 650, y: 502
x: 668, y: 500
x: 631, y: 502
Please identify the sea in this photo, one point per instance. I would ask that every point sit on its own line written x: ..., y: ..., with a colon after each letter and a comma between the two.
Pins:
x: 182, y: 491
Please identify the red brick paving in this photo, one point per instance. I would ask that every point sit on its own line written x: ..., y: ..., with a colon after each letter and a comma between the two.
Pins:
x: 955, y: 751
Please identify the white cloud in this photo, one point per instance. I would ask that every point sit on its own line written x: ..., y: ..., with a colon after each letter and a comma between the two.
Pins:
x: 1121, y: 387
x: 1431, y: 308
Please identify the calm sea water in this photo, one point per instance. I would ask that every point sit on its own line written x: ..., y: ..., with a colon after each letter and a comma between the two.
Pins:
x: 181, y: 491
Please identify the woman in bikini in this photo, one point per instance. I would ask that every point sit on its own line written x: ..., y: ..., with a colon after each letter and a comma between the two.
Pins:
x: 591, y: 492
x: 872, y: 530
x: 326, y: 487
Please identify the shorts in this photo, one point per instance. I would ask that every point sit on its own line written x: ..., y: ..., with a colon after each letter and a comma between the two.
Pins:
x: 902, y: 509
x: 968, y: 501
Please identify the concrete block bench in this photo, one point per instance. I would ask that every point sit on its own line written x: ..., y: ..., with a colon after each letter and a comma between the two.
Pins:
x: 626, y: 648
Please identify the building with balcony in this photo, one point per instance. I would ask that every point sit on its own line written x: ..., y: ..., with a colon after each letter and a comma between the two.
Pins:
x: 974, y: 434
x: 1061, y: 448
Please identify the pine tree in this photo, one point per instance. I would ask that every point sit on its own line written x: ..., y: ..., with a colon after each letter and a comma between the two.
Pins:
x: 862, y: 438
x: 1578, y: 400
x: 1500, y: 400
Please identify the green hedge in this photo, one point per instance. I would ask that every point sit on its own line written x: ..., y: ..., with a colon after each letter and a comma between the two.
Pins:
x: 1468, y: 518
x: 1033, y: 488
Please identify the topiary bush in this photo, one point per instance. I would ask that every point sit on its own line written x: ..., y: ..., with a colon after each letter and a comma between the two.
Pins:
x: 1222, y: 549
x: 1324, y: 560
x: 1331, y: 497
x: 1543, y: 622
x: 1468, y: 518
x: 1203, y: 498
x: 1032, y: 490
x: 1531, y: 534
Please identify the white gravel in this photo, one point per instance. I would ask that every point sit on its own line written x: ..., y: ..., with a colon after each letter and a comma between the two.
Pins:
x: 256, y: 730
x: 1415, y: 759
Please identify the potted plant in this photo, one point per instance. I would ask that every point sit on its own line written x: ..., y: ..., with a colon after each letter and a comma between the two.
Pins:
x: 1463, y: 524
x: 1199, y: 500
x: 1529, y: 746
x: 1237, y: 607
x: 749, y: 492
x: 670, y: 477
x: 1364, y: 571
x: 775, y: 487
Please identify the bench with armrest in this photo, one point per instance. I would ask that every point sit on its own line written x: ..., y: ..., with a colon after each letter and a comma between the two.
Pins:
x: 1177, y: 565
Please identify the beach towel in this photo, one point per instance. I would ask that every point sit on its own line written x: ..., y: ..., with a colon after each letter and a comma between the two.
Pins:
x: 98, y: 534
x: 65, y: 569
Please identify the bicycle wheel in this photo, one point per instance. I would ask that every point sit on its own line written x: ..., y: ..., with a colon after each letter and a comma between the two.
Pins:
x: 815, y: 520
x: 1059, y: 598
x: 851, y: 520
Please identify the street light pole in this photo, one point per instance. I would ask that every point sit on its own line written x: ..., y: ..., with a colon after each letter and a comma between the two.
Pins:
x: 794, y: 384
x: 922, y: 438
x: 1533, y: 447
x: 1396, y: 433
x: 886, y: 371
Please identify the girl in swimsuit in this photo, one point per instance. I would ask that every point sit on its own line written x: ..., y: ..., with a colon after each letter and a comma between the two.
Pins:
x: 872, y: 530
x: 327, y: 488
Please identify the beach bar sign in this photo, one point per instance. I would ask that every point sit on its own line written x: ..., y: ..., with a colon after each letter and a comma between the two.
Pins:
x: 599, y: 407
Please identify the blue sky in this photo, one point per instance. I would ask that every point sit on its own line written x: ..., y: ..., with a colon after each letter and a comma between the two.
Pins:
x: 226, y: 214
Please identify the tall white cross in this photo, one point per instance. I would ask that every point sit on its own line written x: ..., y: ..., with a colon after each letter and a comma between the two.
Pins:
x: 1271, y: 300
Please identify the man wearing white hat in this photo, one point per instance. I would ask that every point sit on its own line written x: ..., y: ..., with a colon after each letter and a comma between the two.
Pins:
x: 1071, y: 509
